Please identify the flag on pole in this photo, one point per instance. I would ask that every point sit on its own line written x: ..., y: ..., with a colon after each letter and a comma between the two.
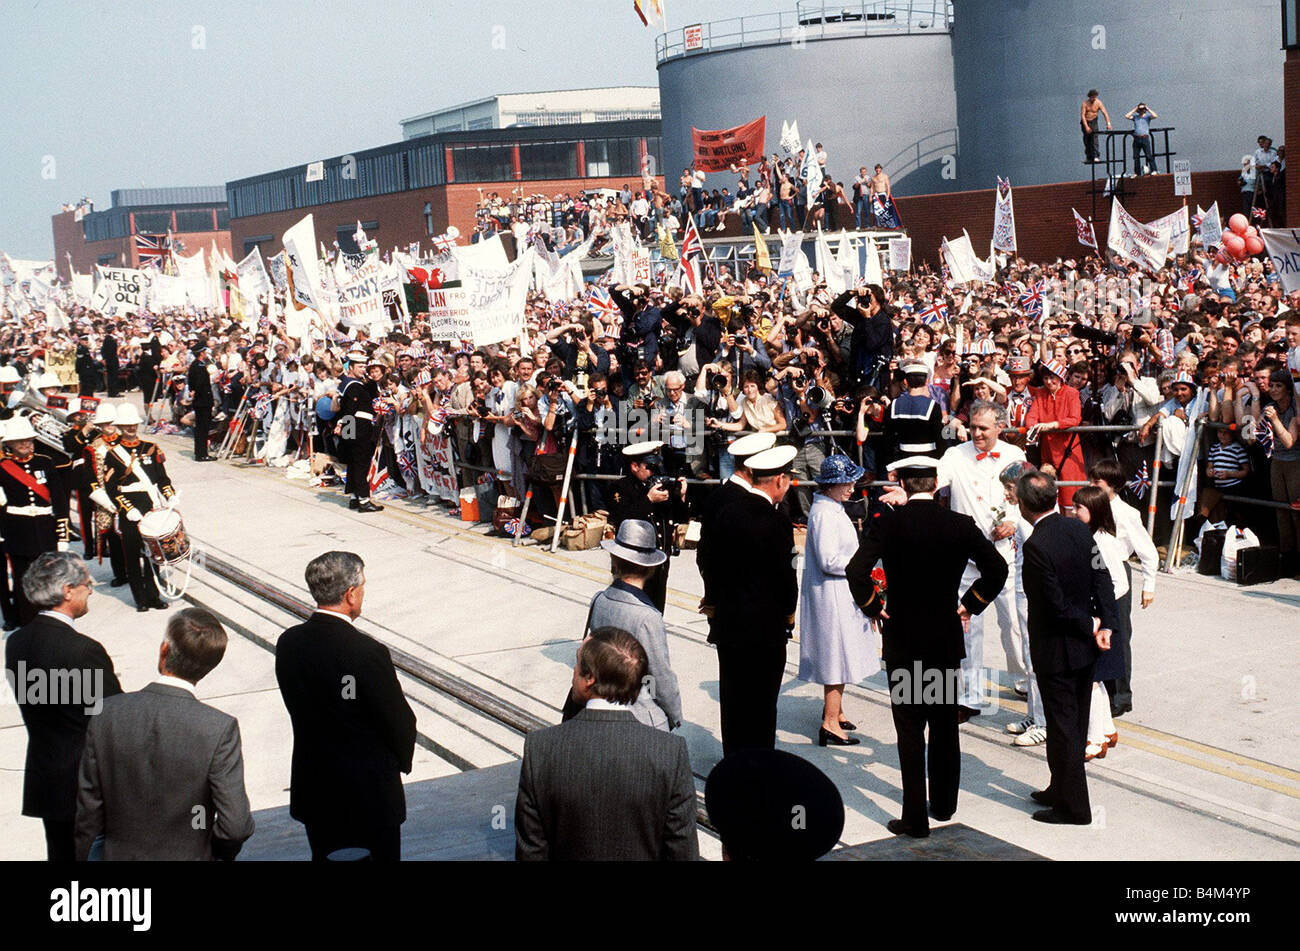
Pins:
x: 598, y: 300
x: 1004, y: 219
x: 1258, y: 213
x: 1085, y: 231
x: 649, y: 11
x: 151, y: 249
x: 1031, y: 301
x: 790, y: 140
x: 1140, y: 484
x: 762, y: 256
x: 936, y: 313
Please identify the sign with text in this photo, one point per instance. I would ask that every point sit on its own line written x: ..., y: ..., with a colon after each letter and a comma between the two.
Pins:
x: 693, y: 36
x: 716, y: 150
x: 1283, y: 248
x: 361, y: 299
x: 449, y: 314
x: 900, y: 254
x: 1182, y: 176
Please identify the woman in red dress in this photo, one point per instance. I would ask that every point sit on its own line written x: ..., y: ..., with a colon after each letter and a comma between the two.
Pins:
x: 1057, y: 406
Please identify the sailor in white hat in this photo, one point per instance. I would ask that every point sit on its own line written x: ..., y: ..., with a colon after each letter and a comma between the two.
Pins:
x: 646, y: 493
x: 913, y: 423
x: 356, y: 428
x: 755, y: 591
x: 137, y: 482
x: 35, y: 519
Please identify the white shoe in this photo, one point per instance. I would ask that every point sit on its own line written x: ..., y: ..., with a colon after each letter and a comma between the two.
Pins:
x: 1032, y: 737
x: 1022, y: 727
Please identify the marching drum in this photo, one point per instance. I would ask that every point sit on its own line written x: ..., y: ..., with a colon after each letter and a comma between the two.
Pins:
x: 163, y: 534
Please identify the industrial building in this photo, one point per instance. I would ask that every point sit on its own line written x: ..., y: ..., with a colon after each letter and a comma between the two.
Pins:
x: 194, y: 216
x: 950, y: 95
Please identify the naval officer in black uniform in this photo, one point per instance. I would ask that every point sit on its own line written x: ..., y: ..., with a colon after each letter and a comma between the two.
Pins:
x: 756, y: 591
x: 925, y: 548
x: 199, y: 378
x: 737, y: 487
x: 356, y: 427
x: 640, y: 495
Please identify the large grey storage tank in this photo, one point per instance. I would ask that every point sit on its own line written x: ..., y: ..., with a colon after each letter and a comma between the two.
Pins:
x: 1210, y: 68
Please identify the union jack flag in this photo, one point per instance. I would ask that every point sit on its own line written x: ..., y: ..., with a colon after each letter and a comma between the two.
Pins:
x: 692, y: 246
x: 1259, y: 213
x: 1004, y: 184
x: 1264, y: 438
x: 598, y: 300
x: 1197, y: 219
x: 1031, y: 301
x: 377, y: 475
x: 1140, y: 484
x: 406, y: 464
x: 1191, y: 277
x: 152, y: 249
x: 936, y: 313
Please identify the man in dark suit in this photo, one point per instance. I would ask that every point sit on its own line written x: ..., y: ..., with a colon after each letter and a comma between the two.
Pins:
x: 1067, y: 585
x: 602, y: 786
x: 756, y: 592
x: 200, y: 381
x: 925, y: 549
x: 112, y: 368
x: 87, y: 371
x: 353, y: 731
x: 73, y: 675
x: 162, y: 775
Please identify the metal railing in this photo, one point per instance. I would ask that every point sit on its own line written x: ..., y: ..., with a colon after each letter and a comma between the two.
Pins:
x: 923, y: 151
x: 809, y: 21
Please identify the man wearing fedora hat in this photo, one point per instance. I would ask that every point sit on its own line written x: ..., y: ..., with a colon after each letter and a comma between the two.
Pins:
x: 624, y: 605
x: 137, y: 482
x: 35, y: 505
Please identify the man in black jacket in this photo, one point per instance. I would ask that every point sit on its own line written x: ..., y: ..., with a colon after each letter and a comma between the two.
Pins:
x: 112, y: 368
x: 1066, y: 585
x: 200, y: 381
x: 755, y: 594
x: 353, y: 731
x: 641, y: 494
x: 60, y: 678
x: 872, y: 344
x: 87, y: 371
x: 925, y: 549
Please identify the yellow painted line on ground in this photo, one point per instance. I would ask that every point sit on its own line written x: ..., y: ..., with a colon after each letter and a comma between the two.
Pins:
x: 688, y: 603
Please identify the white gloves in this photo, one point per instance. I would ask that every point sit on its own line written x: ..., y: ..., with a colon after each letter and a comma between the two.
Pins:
x: 172, y: 502
x: 134, y: 515
x: 62, y: 546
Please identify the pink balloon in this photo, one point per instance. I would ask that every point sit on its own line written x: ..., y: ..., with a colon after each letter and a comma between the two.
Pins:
x: 1254, y: 245
x: 1238, y: 224
x: 1234, y: 244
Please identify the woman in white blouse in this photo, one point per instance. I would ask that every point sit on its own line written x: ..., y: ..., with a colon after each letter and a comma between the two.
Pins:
x: 838, y: 644
x: 1091, y: 506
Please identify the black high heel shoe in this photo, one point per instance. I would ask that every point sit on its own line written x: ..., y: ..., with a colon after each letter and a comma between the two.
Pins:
x: 848, y: 727
x: 826, y: 738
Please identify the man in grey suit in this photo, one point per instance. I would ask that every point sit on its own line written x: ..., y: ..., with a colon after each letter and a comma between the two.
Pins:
x: 603, y: 787
x: 626, y: 606
x: 162, y: 775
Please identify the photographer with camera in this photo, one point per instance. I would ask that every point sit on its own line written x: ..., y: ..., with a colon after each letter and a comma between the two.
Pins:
x: 670, y: 417
x: 558, y: 413
x: 598, y: 451
x: 1130, y: 399
x: 813, y: 418
x: 714, y: 390
x: 648, y: 494
x: 642, y: 320
x: 871, y: 347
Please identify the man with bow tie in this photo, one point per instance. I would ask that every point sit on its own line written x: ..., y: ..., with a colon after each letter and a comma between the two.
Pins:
x: 970, y: 471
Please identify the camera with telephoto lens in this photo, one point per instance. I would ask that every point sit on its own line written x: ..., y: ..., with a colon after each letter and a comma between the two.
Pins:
x: 1105, y: 338
x: 715, y: 381
x: 819, y: 396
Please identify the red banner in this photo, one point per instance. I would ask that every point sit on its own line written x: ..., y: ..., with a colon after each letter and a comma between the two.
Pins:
x: 716, y: 150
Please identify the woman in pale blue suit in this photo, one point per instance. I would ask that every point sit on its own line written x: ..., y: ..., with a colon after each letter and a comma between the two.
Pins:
x: 838, y: 644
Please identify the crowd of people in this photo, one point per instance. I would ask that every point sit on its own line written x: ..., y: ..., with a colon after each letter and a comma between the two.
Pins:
x: 762, y: 409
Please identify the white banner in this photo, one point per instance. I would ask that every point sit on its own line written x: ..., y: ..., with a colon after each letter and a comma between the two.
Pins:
x: 1283, y: 247
x: 361, y: 298
x: 827, y: 266
x: 167, y: 291
x: 1211, y: 227
x: 790, y: 137
x: 449, y: 314
x: 812, y: 173
x: 791, y: 251
x: 253, y: 282
x: 1180, y: 230
x: 900, y: 254
x: 192, y: 266
x: 121, y: 290
x: 1004, y: 223
x: 847, y: 257
x: 496, y: 298
x: 485, y: 254
x: 960, y: 258
x: 303, y: 267
x: 83, y: 287
x: 279, y: 276
x: 1143, y: 244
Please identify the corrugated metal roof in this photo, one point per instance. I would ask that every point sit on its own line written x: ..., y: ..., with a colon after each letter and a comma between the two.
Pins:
x: 185, y: 195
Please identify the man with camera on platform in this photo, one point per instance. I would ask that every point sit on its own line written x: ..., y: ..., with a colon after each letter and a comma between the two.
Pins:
x: 671, y: 417
x: 648, y: 494
x: 813, y: 418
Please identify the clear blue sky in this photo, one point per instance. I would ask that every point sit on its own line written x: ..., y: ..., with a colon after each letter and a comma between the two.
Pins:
x: 117, y: 95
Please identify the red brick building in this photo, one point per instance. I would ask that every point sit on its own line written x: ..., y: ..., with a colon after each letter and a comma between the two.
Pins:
x: 194, y: 216
x: 414, y: 189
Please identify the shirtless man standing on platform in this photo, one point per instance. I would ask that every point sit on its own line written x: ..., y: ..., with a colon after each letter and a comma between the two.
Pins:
x: 1088, y: 120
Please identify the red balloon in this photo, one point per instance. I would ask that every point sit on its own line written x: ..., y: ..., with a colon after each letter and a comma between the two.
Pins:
x: 1254, y: 245
x: 1251, y: 232
x: 1234, y: 244
x: 1238, y: 224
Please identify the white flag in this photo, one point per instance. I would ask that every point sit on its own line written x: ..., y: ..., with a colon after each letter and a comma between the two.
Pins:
x: 960, y: 258
x: 827, y: 266
x: 812, y: 172
x: 1132, y: 240
x: 871, y: 273
x: 253, y: 281
x: 790, y: 137
x: 848, y: 259
x: 900, y: 254
x: 1004, y: 222
x: 303, y: 267
x: 1211, y: 227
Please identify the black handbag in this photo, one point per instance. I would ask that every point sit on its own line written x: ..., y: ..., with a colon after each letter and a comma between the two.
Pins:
x: 1258, y: 565
x: 1211, y: 552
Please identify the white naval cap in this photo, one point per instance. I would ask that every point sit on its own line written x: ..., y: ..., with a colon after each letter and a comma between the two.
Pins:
x: 772, y: 461
x: 752, y: 444
x: 915, y: 467
x: 639, y: 449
